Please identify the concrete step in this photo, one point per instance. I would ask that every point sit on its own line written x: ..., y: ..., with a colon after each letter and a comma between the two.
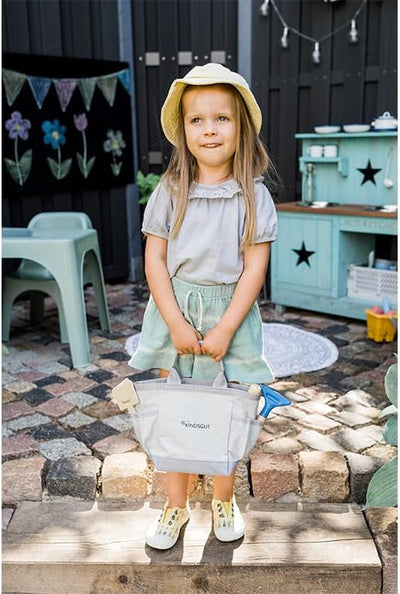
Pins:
x: 72, y: 547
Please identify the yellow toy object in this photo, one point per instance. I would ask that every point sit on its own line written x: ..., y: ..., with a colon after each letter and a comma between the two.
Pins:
x: 381, y: 327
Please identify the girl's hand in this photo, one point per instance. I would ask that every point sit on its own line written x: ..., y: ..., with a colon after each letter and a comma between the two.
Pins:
x: 185, y: 339
x: 216, y: 343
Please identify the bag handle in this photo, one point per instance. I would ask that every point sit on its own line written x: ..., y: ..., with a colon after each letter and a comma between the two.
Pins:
x: 175, y: 378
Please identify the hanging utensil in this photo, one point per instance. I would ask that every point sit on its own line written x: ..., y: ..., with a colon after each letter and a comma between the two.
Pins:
x: 387, y: 182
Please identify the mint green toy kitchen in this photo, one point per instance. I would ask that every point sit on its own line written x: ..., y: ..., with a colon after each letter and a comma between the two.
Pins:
x: 326, y: 256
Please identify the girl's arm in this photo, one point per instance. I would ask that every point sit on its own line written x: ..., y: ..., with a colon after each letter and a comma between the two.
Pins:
x: 255, y: 263
x: 184, y: 337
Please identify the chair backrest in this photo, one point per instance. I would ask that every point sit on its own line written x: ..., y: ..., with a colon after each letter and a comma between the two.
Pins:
x: 60, y: 220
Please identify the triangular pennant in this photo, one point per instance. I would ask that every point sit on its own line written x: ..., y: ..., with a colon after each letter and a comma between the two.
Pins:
x: 87, y: 87
x: 64, y: 89
x: 125, y: 79
x: 13, y: 82
x: 108, y: 86
x: 40, y: 87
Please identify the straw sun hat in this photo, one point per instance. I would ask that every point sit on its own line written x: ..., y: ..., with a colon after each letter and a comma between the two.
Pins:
x: 209, y: 74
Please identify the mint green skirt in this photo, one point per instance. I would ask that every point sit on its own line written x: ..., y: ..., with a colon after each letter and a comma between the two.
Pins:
x: 203, y: 306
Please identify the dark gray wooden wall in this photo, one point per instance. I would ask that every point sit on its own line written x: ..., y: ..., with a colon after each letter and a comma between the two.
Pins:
x: 78, y: 29
x: 353, y: 83
x: 170, y: 37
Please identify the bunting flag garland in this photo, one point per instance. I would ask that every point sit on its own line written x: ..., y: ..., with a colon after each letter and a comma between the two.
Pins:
x: 40, y: 86
x: 64, y: 89
x: 69, y: 129
x: 108, y: 85
x: 13, y: 83
x: 87, y: 87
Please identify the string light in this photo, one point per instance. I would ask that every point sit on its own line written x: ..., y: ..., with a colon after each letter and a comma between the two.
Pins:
x: 284, y: 38
x: 353, y: 34
x: 264, y: 8
x: 316, y: 55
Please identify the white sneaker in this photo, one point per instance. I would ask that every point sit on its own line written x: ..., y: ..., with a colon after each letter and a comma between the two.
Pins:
x: 227, y: 520
x: 164, y: 532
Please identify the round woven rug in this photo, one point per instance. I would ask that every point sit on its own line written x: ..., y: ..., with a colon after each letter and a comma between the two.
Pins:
x: 288, y: 349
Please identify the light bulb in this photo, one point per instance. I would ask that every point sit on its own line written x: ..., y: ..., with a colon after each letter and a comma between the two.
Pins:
x: 264, y: 8
x: 353, y: 35
x: 285, y: 39
x: 316, y: 55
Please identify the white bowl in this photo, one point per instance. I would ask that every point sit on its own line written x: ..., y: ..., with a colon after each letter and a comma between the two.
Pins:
x: 356, y: 128
x: 319, y: 204
x: 327, y: 129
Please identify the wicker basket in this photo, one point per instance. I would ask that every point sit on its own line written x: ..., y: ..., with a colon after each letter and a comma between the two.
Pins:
x: 381, y: 327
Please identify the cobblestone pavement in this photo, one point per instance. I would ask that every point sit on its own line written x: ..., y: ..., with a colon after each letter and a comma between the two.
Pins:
x: 62, y: 436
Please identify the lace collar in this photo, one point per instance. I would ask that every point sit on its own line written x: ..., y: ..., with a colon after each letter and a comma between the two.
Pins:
x: 227, y: 189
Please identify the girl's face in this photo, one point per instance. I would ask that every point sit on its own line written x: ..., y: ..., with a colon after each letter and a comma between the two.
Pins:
x: 210, y: 127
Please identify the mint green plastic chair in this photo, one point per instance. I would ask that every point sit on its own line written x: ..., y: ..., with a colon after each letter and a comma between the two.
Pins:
x: 32, y: 277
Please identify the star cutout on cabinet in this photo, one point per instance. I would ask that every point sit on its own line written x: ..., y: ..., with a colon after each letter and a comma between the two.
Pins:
x: 303, y: 255
x: 369, y: 173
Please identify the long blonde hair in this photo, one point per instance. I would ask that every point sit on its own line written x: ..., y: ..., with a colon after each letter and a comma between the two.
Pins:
x: 249, y: 162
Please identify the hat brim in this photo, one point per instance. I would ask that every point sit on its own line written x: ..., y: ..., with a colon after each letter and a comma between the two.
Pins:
x: 170, y: 111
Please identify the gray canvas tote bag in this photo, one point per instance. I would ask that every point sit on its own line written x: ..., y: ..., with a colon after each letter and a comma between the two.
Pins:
x: 195, y: 426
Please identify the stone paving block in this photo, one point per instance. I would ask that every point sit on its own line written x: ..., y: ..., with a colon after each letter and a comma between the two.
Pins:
x: 13, y: 410
x: 79, y: 384
x: 100, y: 376
x: 58, y: 389
x: 22, y: 480
x: 319, y: 423
x: 115, y: 444
x: 361, y: 468
x: 373, y: 431
x: 107, y: 363
x: 6, y: 515
x: 119, y: 422
x: 114, y: 381
x: 124, y: 476
x: 20, y: 387
x: 290, y: 412
x: 62, y: 448
x: 316, y: 407
x: 353, y: 441
x: 30, y: 376
x: 102, y: 410
x: 383, y: 451
x: 50, y: 380
x: 76, y: 419
x: 383, y: 525
x: 350, y: 418
x: 49, y: 431
x: 55, y: 408
x: 283, y: 445
x: 348, y: 403
x: 324, y: 476
x: 7, y: 378
x: 37, y: 396
x: 7, y: 396
x: 316, y: 393
x: 100, y: 392
x: 18, y: 446
x: 74, y: 477
x: 317, y: 441
x: 273, y: 475
x: 94, y: 432
x: 293, y: 396
x: 79, y: 399
x: 27, y: 421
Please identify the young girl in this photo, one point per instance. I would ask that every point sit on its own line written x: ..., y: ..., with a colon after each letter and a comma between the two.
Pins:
x: 209, y: 225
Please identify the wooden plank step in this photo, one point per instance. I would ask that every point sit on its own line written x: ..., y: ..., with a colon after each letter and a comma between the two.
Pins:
x: 71, y: 547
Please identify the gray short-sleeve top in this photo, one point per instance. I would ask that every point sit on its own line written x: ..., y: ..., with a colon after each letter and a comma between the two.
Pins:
x: 206, y: 250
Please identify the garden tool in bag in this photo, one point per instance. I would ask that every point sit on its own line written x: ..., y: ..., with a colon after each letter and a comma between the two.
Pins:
x: 196, y: 426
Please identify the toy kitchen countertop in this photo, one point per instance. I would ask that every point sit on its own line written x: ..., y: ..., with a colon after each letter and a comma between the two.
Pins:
x: 333, y: 208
